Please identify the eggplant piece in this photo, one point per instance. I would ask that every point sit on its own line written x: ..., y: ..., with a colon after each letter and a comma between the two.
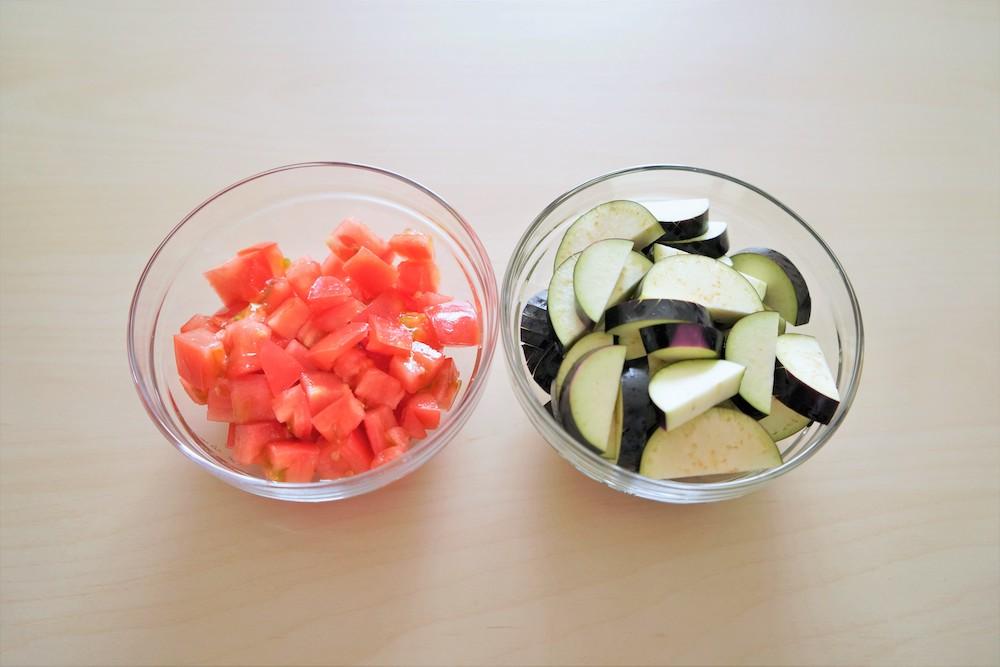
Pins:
x: 633, y: 345
x: 684, y: 390
x: 636, y: 314
x: 787, y: 291
x: 720, y: 441
x: 589, y: 398
x: 658, y: 251
x: 596, y: 274
x: 682, y: 341
x: 545, y: 368
x: 639, y: 414
x: 802, y: 378
x: 620, y: 219
x: 751, y: 343
x: 615, y: 434
x: 636, y: 266
x: 680, y: 219
x: 591, y: 341
x: 538, y: 339
x: 714, y: 243
x: 532, y: 355
x: 783, y: 422
x: 567, y: 320
x: 722, y: 290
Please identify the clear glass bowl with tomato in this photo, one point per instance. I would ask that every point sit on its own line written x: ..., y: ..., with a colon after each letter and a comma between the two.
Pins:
x: 297, y: 207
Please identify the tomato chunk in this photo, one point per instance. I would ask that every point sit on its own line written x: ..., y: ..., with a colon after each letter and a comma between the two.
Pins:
x: 220, y: 402
x: 351, y: 364
x: 322, y: 389
x: 200, y: 357
x: 302, y: 273
x: 291, y: 408
x: 398, y: 437
x: 388, y: 337
x: 251, y: 398
x: 416, y: 371
x: 292, y: 461
x: 418, y: 276
x: 243, y: 339
x: 388, y: 304
x: 310, y: 334
x: 411, y: 424
x: 245, y: 276
x: 386, y: 455
x: 249, y: 440
x: 200, y: 322
x: 412, y: 244
x: 289, y: 317
x: 325, y: 352
x: 301, y: 354
x: 420, y: 325
x: 339, y: 315
x: 281, y: 369
x: 422, y: 300
x: 326, y: 292
x: 446, y: 384
x: 379, y: 388
x: 455, y: 323
x: 377, y: 423
x: 275, y: 294
x: 339, y: 418
x: 356, y: 451
x: 370, y: 272
x: 426, y: 409
x: 351, y: 235
x: 331, y: 464
x: 332, y: 266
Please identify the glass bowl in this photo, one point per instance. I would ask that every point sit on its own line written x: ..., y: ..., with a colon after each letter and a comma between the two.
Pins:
x: 758, y: 219
x: 297, y: 206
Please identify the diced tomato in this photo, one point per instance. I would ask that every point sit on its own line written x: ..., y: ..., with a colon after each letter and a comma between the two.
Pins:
x: 425, y: 407
x: 332, y: 266
x: 222, y: 316
x: 292, y: 460
x: 280, y: 368
x: 370, y: 272
x: 388, y: 304
x: 270, y: 252
x: 231, y: 436
x: 411, y: 423
x: 351, y: 364
x: 302, y: 273
x: 243, y: 339
x: 419, y: 301
x: 310, y: 334
x: 379, y: 388
x: 331, y: 464
x: 200, y: 357
x: 326, y: 292
x: 455, y: 323
x: 420, y: 325
x: 356, y: 451
x: 251, y: 399
x: 380, y: 361
x: 200, y: 322
x: 417, y: 276
x: 277, y: 291
x: 377, y: 423
x: 339, y: 418
x: 386, y: 455
x: 411, y: 244
x: 388, y: 337
x: 289, y: 317
x: 416, y: 371
x: 339, y: 315
x: 301, y: 354
x: 322, y: 389
x: 243, y: 277
x: 351, y: 235
x: 398, y: 437
x: 446, y: 384
x: 249, y: 440
x: 291, y: 407
x: 356, y: 290
x: 220, y: 402
x: 325, y: 352
x: 199, y: 396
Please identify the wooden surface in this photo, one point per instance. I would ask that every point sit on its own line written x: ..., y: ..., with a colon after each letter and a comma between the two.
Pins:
x: 878, y: 122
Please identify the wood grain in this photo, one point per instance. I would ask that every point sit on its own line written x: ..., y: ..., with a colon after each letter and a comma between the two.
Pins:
x: 879, y: 122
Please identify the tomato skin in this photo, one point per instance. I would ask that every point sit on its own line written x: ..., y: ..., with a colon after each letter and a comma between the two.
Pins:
x: 388, y: 337
x: 249, y: 440
x: 339, y: 418
x: 325, y: 352
x: 455, y: 323
x: 280, y: 368
x: 411, y: 244
x: 417, y: 276
x: 292, y: 460
x: 200, y: 358
x: 339, y: 315
x: 251, y: 398
x: 370, y: 272
x: 351, y: 235
x: 379, y: 388
x: 425, y: 408
x: 327, y: 292
x: 332, y: 266
x: 200, y: 322
x: 301, y: 274
x: 289, y: 317
x: 291, y: 407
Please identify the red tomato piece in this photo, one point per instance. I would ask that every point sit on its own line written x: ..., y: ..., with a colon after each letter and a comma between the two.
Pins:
x: 325, y: 352
x: 412, y: 244
x: 220, y: 402
x: 270, y: 252
x: 245, y: 276
x: 276, y: 293
x: 455, y: 323
x: 398, y: 437
x: 331, y: 464
x: 370, y: 272
x: 412, y: 424
x: 326, y: 292
x: 388, y: 304
x: 377, y: 423
x: 291, y: 408
x: 351, y: 235
x: 310, y: 333
x: 426, y: 409
x: 356, y: 451
x: 332, y: 266
x: 281, y: 369
x: 301, y: 354
x: 302, y: 273
x: 289, y: 317
x: 379, y: 388
x: 199, y: 396
x: 339, y: 315
x: 322, y: 389
x: 243, y: 339
x: 251, y: 399
x: 200, y: 322
x: 418, y: 276
x: 231, y: 436
x: 388, y: 337
x: 200, y: 357
x: 351, y: 364
x: 446, y: 384
x: 292, y: 460
x: 337, y: 420
x: 416, y: 371
x: 418, y: 301
x: 386, y: 455
x: 249, y: 440
x: 421, y: 327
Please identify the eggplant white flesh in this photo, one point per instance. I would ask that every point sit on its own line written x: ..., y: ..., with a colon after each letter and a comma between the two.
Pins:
x: 633, y: 345
x: 639, y: 415
x: 636, y: 314
x: 589, y: 397
x: 787, y: 291
x: 714, y: 243
x: 783, y: 422
x: 759, y: 286
x: 615, y: 434
x: 636, y: 266
x: 681, y: 219
x: 802, y: 378
x: 591, y: 341
x: 686, y: 389
x: 619, y: 219
x: 720, y: 441
x: 659, y: 251
x: 597, y: 272
x: 722, y: 290
x: 567, y: 320
x: 751, y: 343
x: 682, y: 341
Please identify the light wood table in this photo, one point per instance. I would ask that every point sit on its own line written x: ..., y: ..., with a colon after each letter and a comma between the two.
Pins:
x: 878, y: 122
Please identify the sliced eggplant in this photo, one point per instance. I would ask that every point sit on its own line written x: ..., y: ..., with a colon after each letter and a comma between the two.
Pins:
x: 713, y: 243
x: 532, y: 355
x: 682, y: 341
x: 787, y: 291
x: 681, y: 219
x: 620, y: 219
x: 759, y: 286
x: 720, y: 441
x: 591, y: 341
x: 615, y: 435
x: 535, y: 337
x: 802, y: 378
x: 567, y: 321
x: 636, y: 266
x: 655, y: 364
x: 684, y: 390
x: 659, y: 251
x: 751, y: 343
x: 634, y: 315
x: 722, y: 290
x: 544, y: 369
x: 589, y: 397
x: 783, y: 422
x: 639, y: 415
x: 596, y: 274
x: 633, y: 345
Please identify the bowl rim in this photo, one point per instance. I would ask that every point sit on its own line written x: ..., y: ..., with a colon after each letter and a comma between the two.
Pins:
x: 370, y: 480
x: 631, y: 482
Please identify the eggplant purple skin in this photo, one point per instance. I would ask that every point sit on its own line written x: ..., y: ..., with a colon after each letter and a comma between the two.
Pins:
x: 648, y: 309
x: 681, y: 230
x: 546, y: 368
x: 802, y: 398
x: 714, y: 247
x: 682, y: 334
x: 564, y: 411
x: 802, y: 298
x: 542, y: 349
x: 743, y: 406
x: 639, y: 415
